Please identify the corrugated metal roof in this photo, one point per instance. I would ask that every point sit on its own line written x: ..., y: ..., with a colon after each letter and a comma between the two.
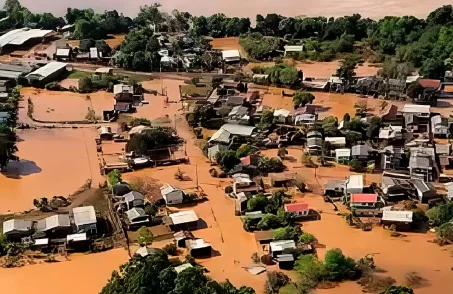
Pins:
x: 16, y: 225
x: 221, y: 136
x: 84, y: 215
x: 343, y: 152
x: 133, y: 195
x: 314, y: 142
x: 239, y: 130
x: 415, y: 108
x: 364, y: 198
x: 198, y: 244
x: 296, y: 207
x: 20, y: 36
x: 122, y: 88
x: 182, y: 267
x: 354, y: 181
x: 231, y: 54
x: 183, y: 217
x: 397, y: 216
x: 135, y: 213
x: 76, y: 237
x: 167, y: 188
x: 336, y: 140
x: 63, y: 51
x: 10, y: 74
x: 282, y: 244
x: 47, y: 70
x: 54, y: 221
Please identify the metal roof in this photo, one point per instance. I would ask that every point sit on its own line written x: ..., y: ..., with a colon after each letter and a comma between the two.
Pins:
x: 54, y: 221
x: 281, y: 112
x: 314, y: 142
x: 76, y: 237
x: 122, y: 88
x: 16, y: 225
x: 397, y: 216
x: 47, y: 70
x: 183, y: 217
x: 364, y: 198
x: 84, y: 215
x: 294, y: 48
x: 221, y: 136
x: 354, y: 181
x: 336, y: 140
x: 285, y: 257
x: 296, y: 207
x: 133, y: 195
x: 182, y: 267
x: 282, y: 244
x: 239, y: 130
x: 343, y: 152
x: 231, y: 54
x: 20, y: 36
x: 443, y: 149
x: 167, y: 188
x: 135, y: 213
x: 10, y: 74
x: 63, y: 51
x: 198, y: 244
x: 415, y: 108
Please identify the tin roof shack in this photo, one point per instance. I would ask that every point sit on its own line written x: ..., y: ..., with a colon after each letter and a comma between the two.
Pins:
x: 365, y: 204
x: 277, y: 247
x: 263, y: 237
x: 334, y: 188
x: 13, y: 72
x: 282, y: 116
x: 400, y: 218
x: 212, y: 151
x: 133, y: 199
x: 243, y: 184
x: 23, y: 38
x: 55, y: 226
x: 431, y: 92
x: 229, y: 131
x: 391, y: 133
x: 184, y: 220
x: 354, y: 184
x: 136, y: 217
x: 285, y: 179
x: 47, y: 73
x: 397, y: 189
x: 425, y: 191
x: 394, y: 88
x: 342, y: 156
x: 285, y: 261
x: 416, y: 117
x: 85, y: 219
x: 123, y: 93
x: 15, y: 229
x: 239, y: 115
x: 314, y: 146
x: 105, y: 133
x: 421, y: 163
x: 293, y: 48
x: 172, y: 194
x: 199, y: 248
x: 181, y: 237
x: 439, y: 126
x: 299, y: 210
x: 305, y: 119
x: 145, y: 251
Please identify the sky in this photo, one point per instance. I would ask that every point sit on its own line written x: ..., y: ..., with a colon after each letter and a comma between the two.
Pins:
x: 249, y: 8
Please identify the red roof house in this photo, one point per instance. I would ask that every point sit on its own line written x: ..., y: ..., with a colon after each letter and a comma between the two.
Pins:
x: 364, y: 198
x: 298, y: 209
x: 428, y: 83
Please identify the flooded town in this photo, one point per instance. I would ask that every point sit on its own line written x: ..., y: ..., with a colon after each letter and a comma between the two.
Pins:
x: 166, y: 152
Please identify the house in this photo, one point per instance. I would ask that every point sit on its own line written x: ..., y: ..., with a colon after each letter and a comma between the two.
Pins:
x: 47, y: 73
x: 439, y: 126
x: 334, y: 188
x: 85, y: 219
x: 134, y: 199
x: 391, y: 133
x: 363, y: 201
x: 104, y: 71
x: 425, y: 191
x: 243, y: 184
x: 239, y: 115
x: 397, y: 189
x: 400, y: 218
x: 336, y: 142
x: 284, y: 179
x: 282, y: 116
x: 305, y: 119
x: 63, y: 53
x: 449, y: 187
x: 391, y: 157
x: 354, y: 184
x: 362, y: 152
x: 263, y: 237
x: 416, y: 117
x: 343, y: 156
x: 431, y: 91
x: 212, y: 151
x: 136, y: 217
x: 293, y: 48
x: 17, y: 228
x: 299, y: 209
x: 277, y: 247
x: 314, y: 145
x: 285, y: 261
x: 226, y: 133
x: 314, y: 134
x: 123, y: 93
x: 181, y: 237
x: 55, y: 224
x: 199, y: 248
x: 172, y: 194
x: 183, y: 220
x: 421, y: 163
x: 443, y: 152
x: 230, y: 56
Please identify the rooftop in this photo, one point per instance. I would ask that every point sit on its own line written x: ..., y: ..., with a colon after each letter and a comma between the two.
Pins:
x: 198, y: 244
x: 296, y: 207
x: 429, y: 83
x: 239, y: 130
x: 355, y: 181
x: 281, y: 112
x: 167, y: 188
x: 415, y: 108
x: 16, y: 225
x: 336, y: 140
x: 47, y: 70
x: 263, y: 235
x: 282, y: 244
x: 135, y: 213
x: 54, y: 221
x: 20, y: 36
x: 84, y: 215
x: 397, y: 216
x: 183, y: 217
x: 182, y: 267
x: 133, y: 195
x: 364, y: 198
x: 230, y: 54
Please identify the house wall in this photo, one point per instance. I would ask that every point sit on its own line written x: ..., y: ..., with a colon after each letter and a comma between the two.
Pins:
x: 173, y: 198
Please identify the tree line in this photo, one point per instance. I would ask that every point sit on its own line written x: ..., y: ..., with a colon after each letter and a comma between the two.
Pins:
x: 8, y: 136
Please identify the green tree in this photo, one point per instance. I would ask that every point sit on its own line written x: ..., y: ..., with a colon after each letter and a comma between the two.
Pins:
x: 445, y: 232
x: 145, y: 236
x: 153, y: 138
x: 286, y: 233
x: 433, y: 68
x: 270, y: 164
x: 338, y: 266
x: 114, y: 177
x: 440, y: 214
x: 398, y: 290
x: 346, y: 71
x: 289, y: 76
x: 269, y: 221
x: 257, y: 203
x: 245, y: 150
x: 307, y: 238
x: 310, y: 269
x: 346, y: 117
x: 302, y: 98
x: 141, y: 122
x: 227, y: 159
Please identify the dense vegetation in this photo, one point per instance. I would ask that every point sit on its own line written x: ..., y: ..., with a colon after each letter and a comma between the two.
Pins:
x: 8, y: 136
x: 154, y: 138
x: 154, y: 274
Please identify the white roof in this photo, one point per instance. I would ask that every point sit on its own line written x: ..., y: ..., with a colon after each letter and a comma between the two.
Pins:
x: 183, y: 217
x: 20, y: 36
x: 54, y: 221
x: 122, y: 88
x: 135, y: 213
x: 138, y: 129
x: 294, y: 48
x: 68, y: 26
x: 336, y: 140
x: 415, y: 108
x: 145, y: 251
x: 16, y: 225
x: 94, y: 52
x: 48, y: 69
x: 221, y: 136
x: 231, y: 54
x: 342, y: 152
x: 84, y: 215
x: 182, y: 267
x: 411, y: 79
x: 397, y: 216
x: 104, y: 70
x: 354, y: 181
x: 281, y: 112
x: 260, y: 76
x: 63, y: 51
x: 282, y: 244
x: 238, y: 129
x: 167, y: 188
x: 198, y: 244
x: 76, y: 237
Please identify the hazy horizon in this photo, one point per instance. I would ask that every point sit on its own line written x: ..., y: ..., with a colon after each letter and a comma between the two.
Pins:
x: 246, y: 8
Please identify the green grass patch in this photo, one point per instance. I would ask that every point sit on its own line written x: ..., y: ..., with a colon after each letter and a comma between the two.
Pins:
x: 79, y: 74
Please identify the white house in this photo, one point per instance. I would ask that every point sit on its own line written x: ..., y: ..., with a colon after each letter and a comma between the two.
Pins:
x: 354, y: 184
x: 172, y: 194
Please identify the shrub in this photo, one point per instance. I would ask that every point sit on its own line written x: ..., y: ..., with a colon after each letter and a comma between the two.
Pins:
x: 114, y: 177
x: 307, y: 238
x: 145, y: 236
x: 286, y: 233
x: 170, y: 249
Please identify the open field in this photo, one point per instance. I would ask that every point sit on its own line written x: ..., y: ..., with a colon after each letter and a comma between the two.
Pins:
x: 53, y: 162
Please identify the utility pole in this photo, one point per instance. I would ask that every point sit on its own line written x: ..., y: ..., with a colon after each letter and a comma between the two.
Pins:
x: 196, y: 174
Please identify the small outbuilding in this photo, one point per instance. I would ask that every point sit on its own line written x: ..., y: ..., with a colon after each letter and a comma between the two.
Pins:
x: 55, y: 224
x: 299, y: 209
x: 354, y: 184
x: 136, y: 217
x: 199, y: 248
x: 183, y: 220
x: 48, y: 72
x: 285, y: 261
x: 85, y: 219
x: 277, y: 247
x: 231, y: 56
x: 401, y: 219
x: 134, y: 199
x: 263, y: 237
x: 17, y: 228
x: 145, y: 251
x: 181, y: 237
x: 172, y: 194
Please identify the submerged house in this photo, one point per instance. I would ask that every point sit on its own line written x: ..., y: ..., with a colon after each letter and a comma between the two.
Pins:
x: 416, y: 117
x: 343, y: 156
x: 228, y: 131
x: 199, y: 248
x: 136, y: 217
x: 400, y: 218
x: 354, y: 184
x: 314, y: 145
x: 299, y: 209
x: 55, y: 225
x: 422, y: 163
x: 282, y: 116
x: 134, y: 199
x: 85, y: 219
x: 336, y: 142
x: 277, y: 247
x: 305, y: 119
x: 172, y: 194
x: 425, y: 191
x: 17, y: 228
x: 183, y: 220
x: 439, y: 126
x: 47, y: 73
